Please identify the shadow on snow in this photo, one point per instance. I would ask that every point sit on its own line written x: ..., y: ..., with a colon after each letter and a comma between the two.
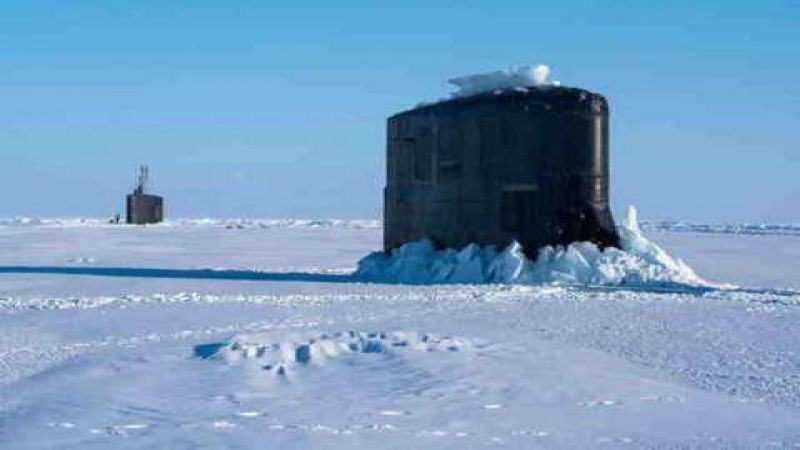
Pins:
x: 190, y: 274
x: 254, y: 275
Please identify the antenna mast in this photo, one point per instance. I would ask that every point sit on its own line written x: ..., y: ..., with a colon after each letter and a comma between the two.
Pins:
x: 142, y: 179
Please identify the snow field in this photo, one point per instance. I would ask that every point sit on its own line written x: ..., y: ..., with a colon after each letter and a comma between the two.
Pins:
x: 157, y: 356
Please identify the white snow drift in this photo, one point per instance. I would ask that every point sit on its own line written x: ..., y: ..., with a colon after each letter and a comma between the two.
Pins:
x: 640, y: 263
x: 513, y: 77
x: 279, y: 358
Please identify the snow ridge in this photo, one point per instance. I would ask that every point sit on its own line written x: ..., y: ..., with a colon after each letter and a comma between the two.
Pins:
x: 640, y: 263
x: 756, y: 229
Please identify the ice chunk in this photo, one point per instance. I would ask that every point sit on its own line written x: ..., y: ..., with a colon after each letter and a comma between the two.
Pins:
x: 540, y: 74
x: 515, y: 77
x: 632, y: 220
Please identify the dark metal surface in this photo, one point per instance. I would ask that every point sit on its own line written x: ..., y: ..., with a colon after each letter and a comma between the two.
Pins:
x: 144, y: 208
x: 526, y: 165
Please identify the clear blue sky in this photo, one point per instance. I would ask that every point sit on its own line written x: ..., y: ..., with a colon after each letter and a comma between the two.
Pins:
x: 270, y: 108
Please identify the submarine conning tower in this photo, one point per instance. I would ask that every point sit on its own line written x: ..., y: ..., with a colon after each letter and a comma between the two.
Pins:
x: 526, y: 164
x: 141, y: 207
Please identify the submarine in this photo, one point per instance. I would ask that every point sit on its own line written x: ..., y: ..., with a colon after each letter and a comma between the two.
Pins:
x: 142, y: 207
x: 525, y: 162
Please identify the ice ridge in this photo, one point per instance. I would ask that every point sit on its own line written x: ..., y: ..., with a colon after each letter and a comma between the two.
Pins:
x: 638, y: 263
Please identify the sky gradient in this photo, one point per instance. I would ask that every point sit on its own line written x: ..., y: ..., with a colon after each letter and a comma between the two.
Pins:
x: 277, y: 109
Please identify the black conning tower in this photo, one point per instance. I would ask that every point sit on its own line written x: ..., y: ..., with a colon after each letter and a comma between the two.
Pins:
x: 525, y: 164
x: 141, y: 207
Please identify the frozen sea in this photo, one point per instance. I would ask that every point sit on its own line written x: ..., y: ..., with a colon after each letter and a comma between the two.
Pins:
x: 251, y: 334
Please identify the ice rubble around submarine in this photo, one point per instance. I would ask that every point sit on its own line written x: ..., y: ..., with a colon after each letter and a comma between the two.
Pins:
x: 638, y: 263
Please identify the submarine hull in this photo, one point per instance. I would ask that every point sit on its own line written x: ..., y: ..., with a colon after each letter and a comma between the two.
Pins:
x: 527, y: 165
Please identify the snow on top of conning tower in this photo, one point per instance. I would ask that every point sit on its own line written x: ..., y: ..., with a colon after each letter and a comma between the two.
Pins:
x: 515, y: 77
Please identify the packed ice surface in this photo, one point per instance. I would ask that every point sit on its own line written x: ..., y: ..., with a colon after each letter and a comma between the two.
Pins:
x: 151, y: 337
x: 97, y: 222
x: 639, y: 263
x: 513, y: 77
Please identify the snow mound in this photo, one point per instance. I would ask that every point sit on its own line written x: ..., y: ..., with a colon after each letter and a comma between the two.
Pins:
x: 280, y: 358
x: 639, y: 263
x: 511, y: 78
